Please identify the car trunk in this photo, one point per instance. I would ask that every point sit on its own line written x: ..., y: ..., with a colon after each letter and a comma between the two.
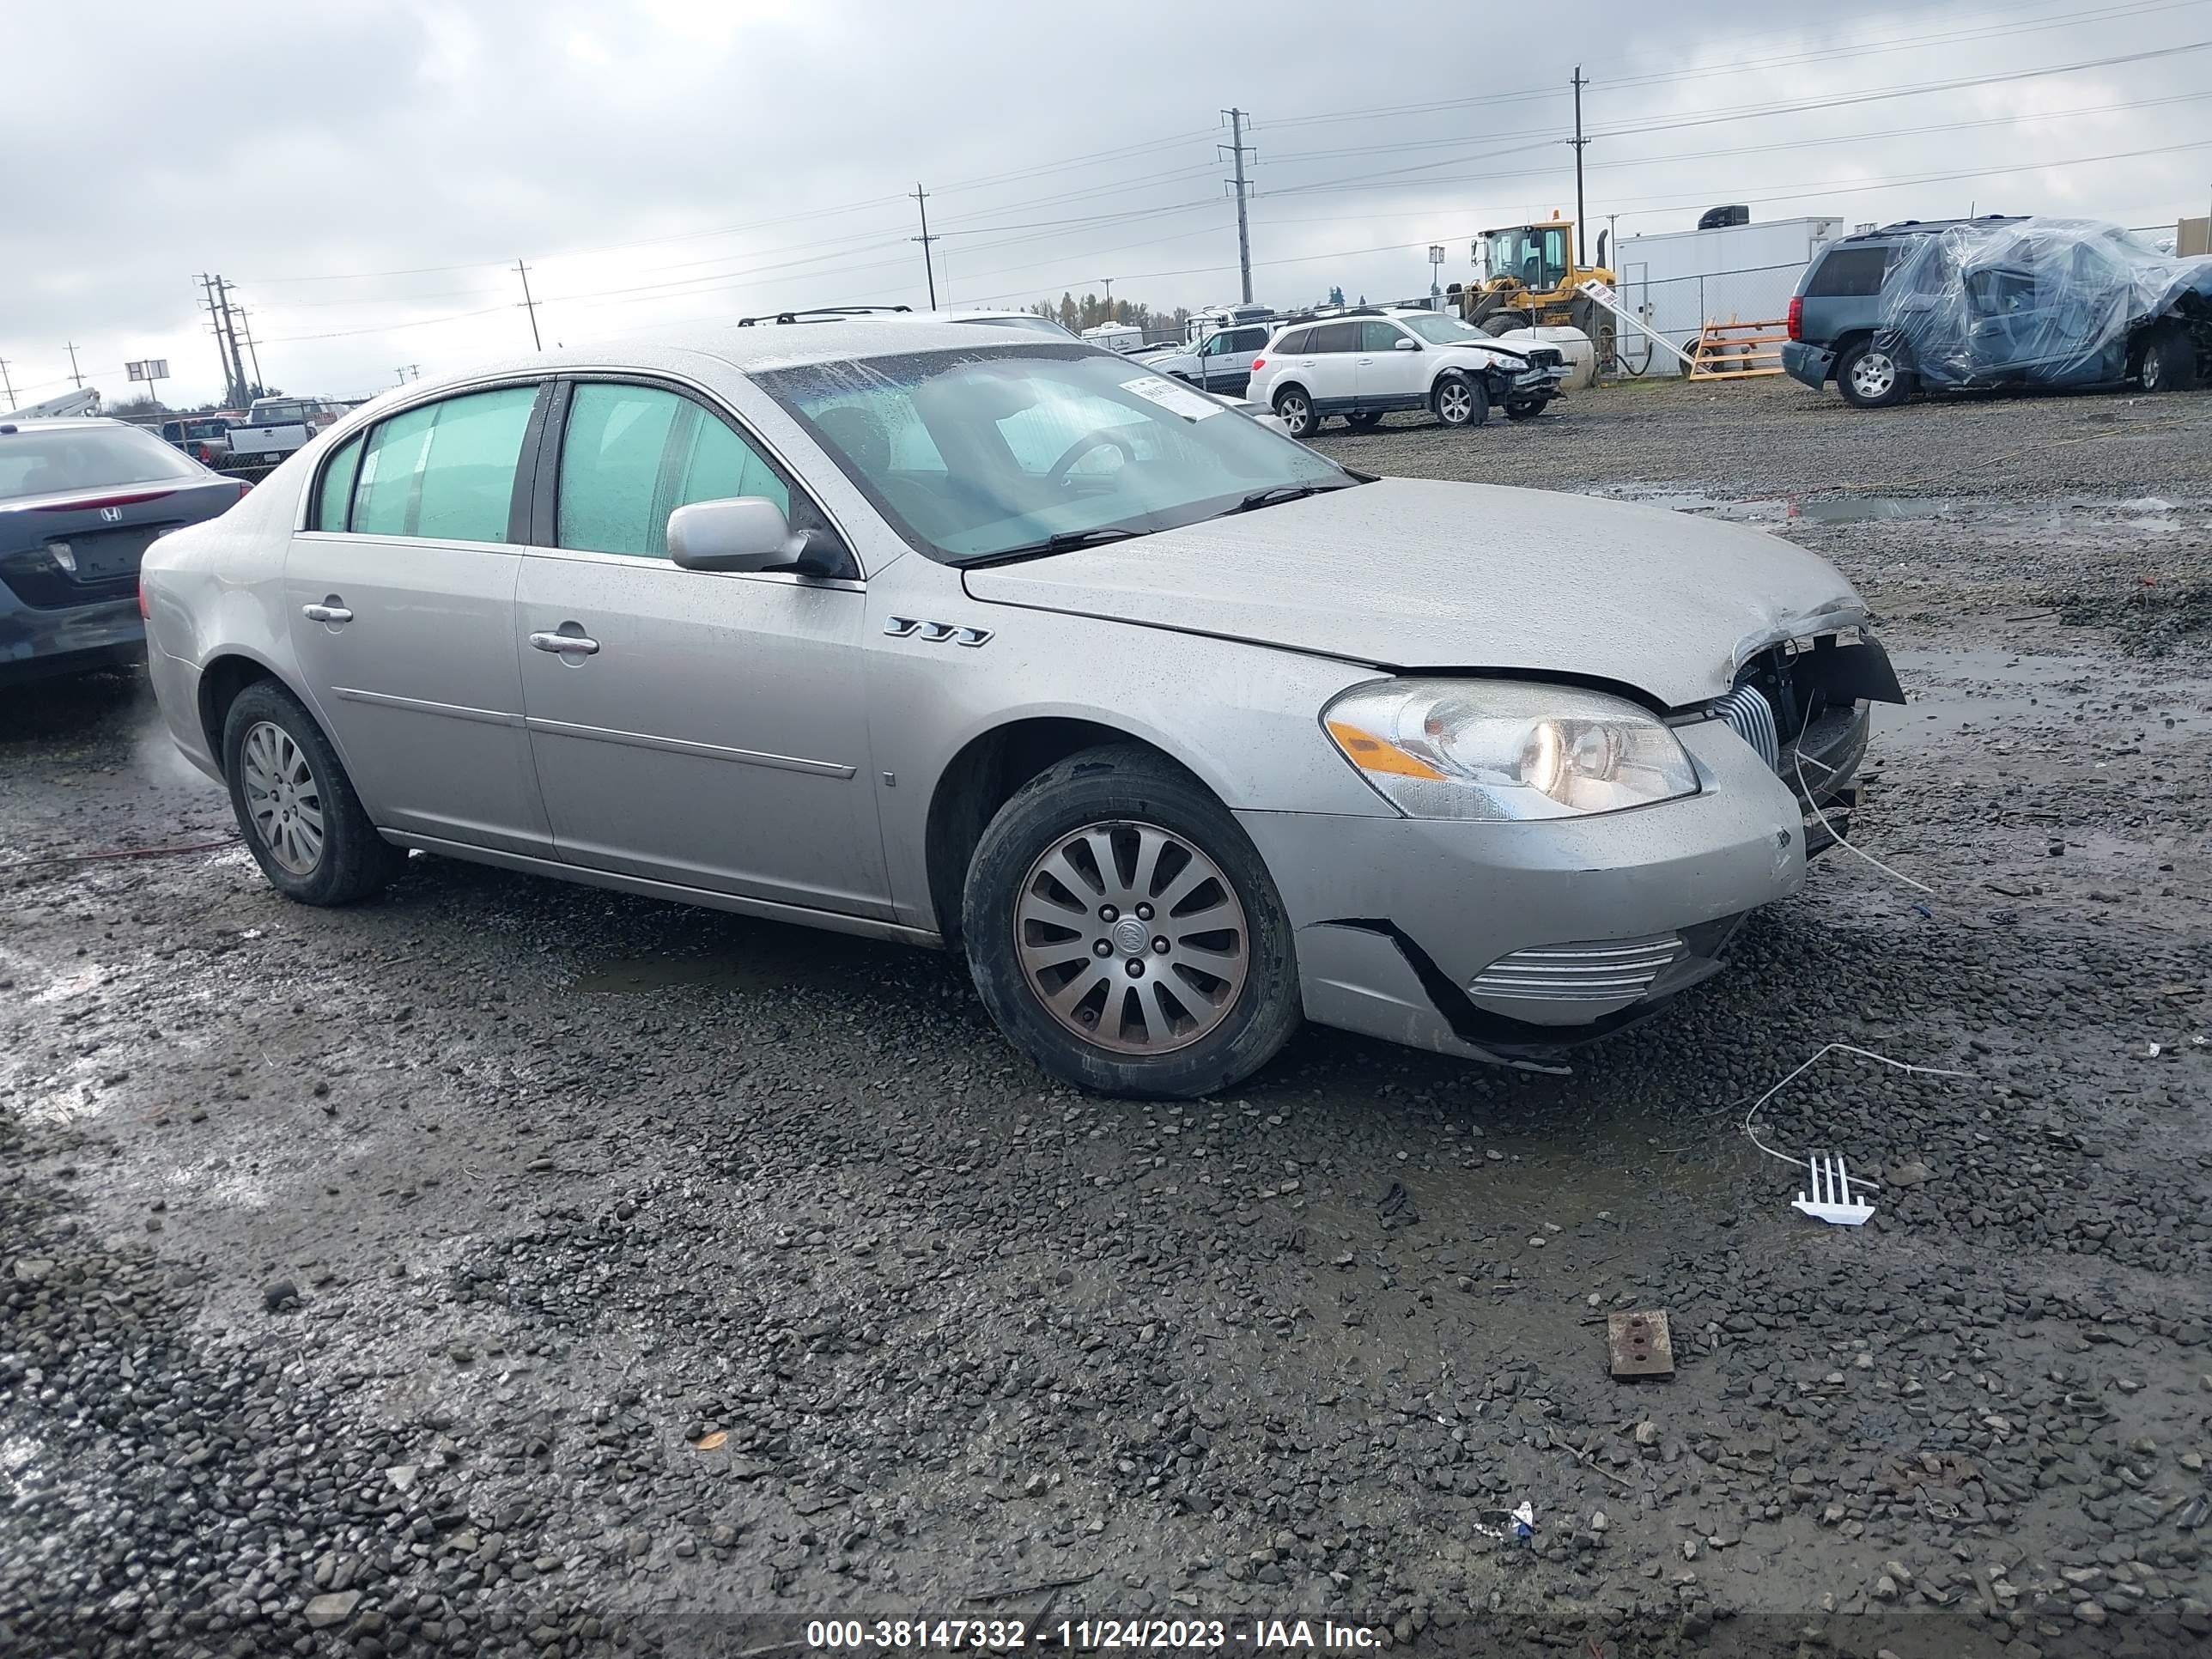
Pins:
x: 85, y: 547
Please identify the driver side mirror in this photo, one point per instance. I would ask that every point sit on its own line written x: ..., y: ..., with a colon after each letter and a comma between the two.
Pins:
x: 1401, y: 344
x: 747, y: 532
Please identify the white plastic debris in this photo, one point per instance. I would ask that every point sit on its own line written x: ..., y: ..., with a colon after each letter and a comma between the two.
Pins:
x: 1833, y: 1198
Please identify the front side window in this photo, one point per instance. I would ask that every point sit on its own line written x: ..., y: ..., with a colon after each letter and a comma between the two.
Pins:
x: 446, y: 471
x: 974, y: 455
x: 1378, y: 337
x: 630, y: 455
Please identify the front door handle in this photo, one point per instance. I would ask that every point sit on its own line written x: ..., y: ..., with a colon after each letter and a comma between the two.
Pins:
x: 564, y: 643
x: 327, y: 613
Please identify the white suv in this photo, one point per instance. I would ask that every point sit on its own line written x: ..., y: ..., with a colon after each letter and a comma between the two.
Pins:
x: 1364, y: 364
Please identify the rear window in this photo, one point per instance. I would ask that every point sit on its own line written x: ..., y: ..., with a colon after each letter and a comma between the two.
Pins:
x: 1298, y: 340
x: 46, y: 462
x: 1849, y: 273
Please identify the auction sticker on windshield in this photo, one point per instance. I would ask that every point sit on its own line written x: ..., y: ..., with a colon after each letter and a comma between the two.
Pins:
x: 1175, y: 399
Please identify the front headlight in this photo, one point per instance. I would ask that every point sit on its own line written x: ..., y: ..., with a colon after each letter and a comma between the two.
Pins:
x: 1502, y: 748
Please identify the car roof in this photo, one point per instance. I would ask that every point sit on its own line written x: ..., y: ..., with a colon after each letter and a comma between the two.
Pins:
x: 1924, y: 228
x: 755, y: 350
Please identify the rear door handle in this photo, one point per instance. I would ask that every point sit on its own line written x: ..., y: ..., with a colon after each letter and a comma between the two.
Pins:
x: 560, y: 643
x: 327, y: 613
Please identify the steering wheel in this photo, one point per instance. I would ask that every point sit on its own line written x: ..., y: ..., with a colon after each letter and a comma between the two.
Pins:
x: 1100, y: 438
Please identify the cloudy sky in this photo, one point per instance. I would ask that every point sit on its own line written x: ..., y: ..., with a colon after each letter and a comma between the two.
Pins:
x: 367, y: 175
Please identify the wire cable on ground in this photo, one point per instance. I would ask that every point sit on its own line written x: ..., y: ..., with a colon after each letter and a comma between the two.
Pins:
x: 1819, y: 1054
x: 125, y: 853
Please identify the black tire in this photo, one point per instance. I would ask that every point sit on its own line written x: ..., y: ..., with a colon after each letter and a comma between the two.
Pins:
x: 352, y: 861
x: 2169, y: 360
x: 1471, y: 411
x: 1526, y: 409
x: 1365, y: 421
x: 1127, y: 784
x: 1871, y: 377
x: 1504, y: 322
x: 1294, y: 408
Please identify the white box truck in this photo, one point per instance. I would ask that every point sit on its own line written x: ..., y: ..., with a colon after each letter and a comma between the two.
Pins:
x: 1679, y: 280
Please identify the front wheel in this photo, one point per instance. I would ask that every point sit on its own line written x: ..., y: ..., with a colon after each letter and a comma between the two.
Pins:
x: 296, y: 807
x: 1295, y: 411
x: 1504, y: 322
x: 1871, y: 377
x: 1124, y: 933
x: 1460, y: 400
x: 2169, y: 360
x: 1524, y: 408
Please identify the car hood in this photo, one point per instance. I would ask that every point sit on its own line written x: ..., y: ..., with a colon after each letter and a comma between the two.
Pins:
x: 1419, y: 574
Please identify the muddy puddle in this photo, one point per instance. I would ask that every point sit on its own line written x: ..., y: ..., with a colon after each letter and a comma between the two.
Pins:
x: 2147, y: 516
x: 2006, y: 697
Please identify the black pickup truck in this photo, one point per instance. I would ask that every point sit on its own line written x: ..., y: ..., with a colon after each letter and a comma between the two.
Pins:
x: 206, y: 439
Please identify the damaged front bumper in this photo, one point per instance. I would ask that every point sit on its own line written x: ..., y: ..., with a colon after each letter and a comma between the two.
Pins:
x: 1509, y: 941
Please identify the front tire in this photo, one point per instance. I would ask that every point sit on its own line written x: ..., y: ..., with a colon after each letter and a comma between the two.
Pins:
x: 1871, y: 377
x: 295, y: 806
x: 1526, y: 409
x: 1459, y: 399
x: 1080, y: 879
x: 1504, y: 322
x: 1295, y: 411
x: 2169, y: 360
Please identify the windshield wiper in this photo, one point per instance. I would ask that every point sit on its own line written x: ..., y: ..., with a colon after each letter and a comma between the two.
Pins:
x: 1060, y: 541
x: 1268, y: 497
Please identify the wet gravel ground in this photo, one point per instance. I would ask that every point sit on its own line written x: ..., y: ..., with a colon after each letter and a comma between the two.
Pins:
x: 509, y: 1267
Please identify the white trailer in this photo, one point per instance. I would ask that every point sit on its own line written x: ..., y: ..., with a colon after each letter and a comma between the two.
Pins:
x: 1114, y: 337
x: 1679, y: 280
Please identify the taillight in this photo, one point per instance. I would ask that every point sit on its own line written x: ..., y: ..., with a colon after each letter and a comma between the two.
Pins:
x: 1259, y: 363
x: 1796, y: 318
x: 141, y: 599
x: 244, y: 484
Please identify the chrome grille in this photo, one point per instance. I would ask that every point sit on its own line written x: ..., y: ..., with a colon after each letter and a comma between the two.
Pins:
x: 1751, y: 717
x: 1618, y: 970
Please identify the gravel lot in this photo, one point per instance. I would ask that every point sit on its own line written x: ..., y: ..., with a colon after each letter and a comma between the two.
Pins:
x: 510, y: 1267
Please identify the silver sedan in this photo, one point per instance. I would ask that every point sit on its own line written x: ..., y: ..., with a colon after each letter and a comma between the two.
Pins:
x: 1180, y: 731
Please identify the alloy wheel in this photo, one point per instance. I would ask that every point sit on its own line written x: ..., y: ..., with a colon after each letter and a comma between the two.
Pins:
x: 1131, y: 938
x: 283, y: 799
x: 1874, y: 375
x: 1456, y: 403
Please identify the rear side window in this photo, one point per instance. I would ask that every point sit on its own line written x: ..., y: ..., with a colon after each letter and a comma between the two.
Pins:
x: 630, y: 455
x: 444, y: 471
x: 1248, y: 339
x: 1849, y: 272
x: 333, y: 499
x: 1335, y: 337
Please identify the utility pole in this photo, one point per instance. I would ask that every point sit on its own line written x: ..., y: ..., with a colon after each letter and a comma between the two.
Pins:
x: 252, y: 346
x: 1237, y: 148
x: 74, y: 375
x: 928, y: 265
x: 529, y: 304
x: 1582, y: 229
x: 1109, y: 300
x: 226, y: 340
x: 7, y: 385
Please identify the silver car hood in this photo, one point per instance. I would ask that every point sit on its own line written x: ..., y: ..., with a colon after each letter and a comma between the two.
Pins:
x: 1416, y: 572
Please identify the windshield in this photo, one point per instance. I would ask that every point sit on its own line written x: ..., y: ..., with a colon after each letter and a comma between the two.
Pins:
x: 275, y: 414
x: 58, y: 458
x: 1439, y: 329
x: 971, y: 455
x: 1535, y: 256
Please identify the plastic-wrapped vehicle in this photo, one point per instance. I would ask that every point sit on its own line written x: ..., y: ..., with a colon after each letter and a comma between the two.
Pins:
x: 2044, y: 302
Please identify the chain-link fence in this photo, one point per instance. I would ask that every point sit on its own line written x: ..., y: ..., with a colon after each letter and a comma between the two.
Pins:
x: 1678, y: 307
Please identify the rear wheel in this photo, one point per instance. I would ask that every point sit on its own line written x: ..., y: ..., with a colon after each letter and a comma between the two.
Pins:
x: 1365, y: 421
x: 299, y: 814
x: 1871, y: 377
x: 1295, y: 411
x: 2169, y: 360
x: 1524, y: 408
x: 1123, y: 932
x: 1458, y: 400
x: 1504, y: 322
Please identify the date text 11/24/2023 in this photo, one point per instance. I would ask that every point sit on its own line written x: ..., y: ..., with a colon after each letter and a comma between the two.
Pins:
x: 987, y: 1635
